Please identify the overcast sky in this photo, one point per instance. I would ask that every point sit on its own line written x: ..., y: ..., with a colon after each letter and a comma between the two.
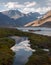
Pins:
x: 26, y: 6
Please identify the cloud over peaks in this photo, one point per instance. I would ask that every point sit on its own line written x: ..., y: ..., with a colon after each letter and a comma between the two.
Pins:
x: 30, y: 4
x: 13, y: 5
x: 27, y: 6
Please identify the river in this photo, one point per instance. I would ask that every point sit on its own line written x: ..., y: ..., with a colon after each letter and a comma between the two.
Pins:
x: 22, y: 47
x: 36, y: 30
x: 22, y: 50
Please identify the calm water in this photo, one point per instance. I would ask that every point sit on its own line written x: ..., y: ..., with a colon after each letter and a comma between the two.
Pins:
x: 22, y: 47
x: 37, y: 30
x: 22, y: 50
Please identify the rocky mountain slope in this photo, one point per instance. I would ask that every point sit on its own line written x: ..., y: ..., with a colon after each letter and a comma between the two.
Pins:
x: 27, y: 18
x: 11, y: 18
x: 5, y: 21
x: 15, y: 14
x: 44, y: 21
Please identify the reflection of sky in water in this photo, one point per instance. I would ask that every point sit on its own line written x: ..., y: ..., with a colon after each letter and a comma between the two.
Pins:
x: 23, y: 51
x: 21, y: 57
x: 22, y: 48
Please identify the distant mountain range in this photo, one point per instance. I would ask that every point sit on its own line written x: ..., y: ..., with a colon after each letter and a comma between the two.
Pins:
x: 16, y: 18
x: 6, y: 21
x: 27, y: 18
x: 15, y: 14
x: 44, y: 21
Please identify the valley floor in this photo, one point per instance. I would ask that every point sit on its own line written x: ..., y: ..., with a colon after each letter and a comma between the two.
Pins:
x: 37, y: 42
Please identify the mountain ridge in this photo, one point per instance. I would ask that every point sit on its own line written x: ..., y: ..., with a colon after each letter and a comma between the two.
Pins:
x: 39, y: 22
x: 15, y: 14
x: 6, y: 21
x: 27, y: 18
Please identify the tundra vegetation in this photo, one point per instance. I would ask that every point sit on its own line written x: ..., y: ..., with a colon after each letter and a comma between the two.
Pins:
x: 37, y: 42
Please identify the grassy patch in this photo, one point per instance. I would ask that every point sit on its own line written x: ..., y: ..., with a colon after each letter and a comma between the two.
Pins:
x: 40, y: 57
x: 37, y: 42
x: 6, y: 54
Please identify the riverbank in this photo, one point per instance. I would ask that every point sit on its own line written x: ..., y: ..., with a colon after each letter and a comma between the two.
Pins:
x: 37, y: 42
x: 40, y: 57
x: 6, y: 54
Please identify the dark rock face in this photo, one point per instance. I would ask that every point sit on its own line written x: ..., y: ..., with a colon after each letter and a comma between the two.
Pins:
x: 6, y: 21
